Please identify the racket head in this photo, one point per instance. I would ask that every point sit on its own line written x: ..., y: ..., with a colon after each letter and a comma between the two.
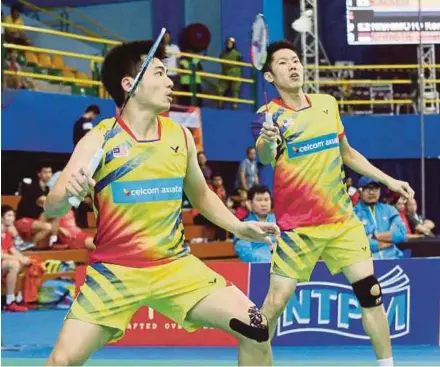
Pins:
x: 259, y: 42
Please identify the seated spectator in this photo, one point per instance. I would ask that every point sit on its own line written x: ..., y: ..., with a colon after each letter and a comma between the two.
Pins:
x: 12, y: 263
x: 400, y: 205
x: 230, y: 53
x: 261, y: 206
x: 418, y: 224
x: 247, y: 175
x: 32, y: 224
x: 12, y: 35
x: 243, y: 208
x: 218, y: 187
x: 352, y: 191
x: 8, y: 220
x: 382, y: 222
x: 16, y: 81
x: 69, y: 233
x: 203, y: 163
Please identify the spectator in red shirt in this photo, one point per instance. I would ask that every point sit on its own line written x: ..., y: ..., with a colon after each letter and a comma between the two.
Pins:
x: 243, y: 208
x: 12, y: 263
x: 400, y: 205
x: 8, y: 217
x: 352, y: 191
x: 218, y: 187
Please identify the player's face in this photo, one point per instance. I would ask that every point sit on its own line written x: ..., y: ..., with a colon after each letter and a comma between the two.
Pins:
x: 45, y: 174
x: 287, y: 71
x: 261, y: 204
x: 8, y: 218
x: 370, y: 194
x: 155, y: 89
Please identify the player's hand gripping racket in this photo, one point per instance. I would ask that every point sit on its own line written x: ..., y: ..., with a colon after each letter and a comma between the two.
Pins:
x: 94, y: 163
x: 259, y: 43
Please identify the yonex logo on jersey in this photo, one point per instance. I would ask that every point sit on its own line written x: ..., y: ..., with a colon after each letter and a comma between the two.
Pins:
x: 315, y: 145
x: 147, y: 190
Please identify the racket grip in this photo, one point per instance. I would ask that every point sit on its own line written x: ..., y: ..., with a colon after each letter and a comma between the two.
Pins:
x: 93, y: 165
x: 268, y: 119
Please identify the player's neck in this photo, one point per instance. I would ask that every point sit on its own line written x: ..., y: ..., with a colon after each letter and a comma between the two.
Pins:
x: 295, y: 100
x: 142, y: 123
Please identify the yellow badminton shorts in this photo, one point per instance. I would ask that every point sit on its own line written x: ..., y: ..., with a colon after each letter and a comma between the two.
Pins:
x: 112, y: 293
x: 338, y: 244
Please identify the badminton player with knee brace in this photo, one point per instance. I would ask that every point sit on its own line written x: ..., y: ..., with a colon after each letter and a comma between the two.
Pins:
x: 304, y: 140
x: 141, y: 258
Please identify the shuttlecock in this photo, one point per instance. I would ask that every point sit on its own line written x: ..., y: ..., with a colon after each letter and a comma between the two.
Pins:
x: 304, y: 23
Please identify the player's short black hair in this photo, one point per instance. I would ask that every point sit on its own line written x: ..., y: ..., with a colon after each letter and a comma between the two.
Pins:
x: 93, y: 108
x: 258, y: 189
x: 5, y: 209
x: 43, y: 165
x: 125, y: 60
x: 274, y: 47
x: 16, y: 7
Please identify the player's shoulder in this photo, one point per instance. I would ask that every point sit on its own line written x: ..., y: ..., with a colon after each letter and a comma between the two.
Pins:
x: 104, y: 125
x: 321, y: 98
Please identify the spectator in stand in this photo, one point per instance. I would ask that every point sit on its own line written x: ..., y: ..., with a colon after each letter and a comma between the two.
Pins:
x: 191, y: 64
x: 203, y: 163
x: 243, y: 207
x: 32, y: 224
x: 12, y: 263
x: 85, y: 123
x: 12, y: 35
x: 261, y: 206
x: 230, y: 53
x: 400, y: 204
x: 247, y: 175
x: 16, y: 81
x: 382, y: 222
x: 171, y: 60
x: 352, y: 191
x: 8, y: 220
x: 218, y: 187
x: 418, y: 224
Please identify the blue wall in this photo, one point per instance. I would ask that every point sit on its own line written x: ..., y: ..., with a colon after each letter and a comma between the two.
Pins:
x: 47, y: 120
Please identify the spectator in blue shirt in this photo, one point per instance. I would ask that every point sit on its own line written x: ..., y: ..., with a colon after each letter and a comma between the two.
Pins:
x: 261, y: 206
x: 382, y: 222
x: 247, y: 175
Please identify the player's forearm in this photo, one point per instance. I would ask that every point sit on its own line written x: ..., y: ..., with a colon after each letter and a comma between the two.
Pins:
x: 56, y: 205
x: 266, y: 152
x: 357, y: 162
x: 213, y: 209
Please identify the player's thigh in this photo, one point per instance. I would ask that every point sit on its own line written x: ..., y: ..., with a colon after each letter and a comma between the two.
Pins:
x: 347, y: 245
x: 280, y: 291
x: 359, y: 270
x: 296, y: 253
x: 224, y: 309
x: 77, y: 341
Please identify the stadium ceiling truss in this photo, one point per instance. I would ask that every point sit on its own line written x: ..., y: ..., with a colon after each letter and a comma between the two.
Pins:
x: 429, y: 71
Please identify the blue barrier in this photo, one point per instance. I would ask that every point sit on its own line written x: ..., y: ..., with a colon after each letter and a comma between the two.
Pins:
x: 36, y: 121
x: 325, y: 311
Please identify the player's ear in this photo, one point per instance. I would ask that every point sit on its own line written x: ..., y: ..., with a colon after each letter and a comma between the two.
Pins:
x: 268, y: 76
x: 127, y: 83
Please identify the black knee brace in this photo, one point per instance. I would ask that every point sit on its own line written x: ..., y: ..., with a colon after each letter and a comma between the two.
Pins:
x: 257, y: 330
x: 368, y: 292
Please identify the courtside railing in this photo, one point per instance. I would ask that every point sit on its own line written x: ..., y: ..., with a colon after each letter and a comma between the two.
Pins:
x: 95, y: 60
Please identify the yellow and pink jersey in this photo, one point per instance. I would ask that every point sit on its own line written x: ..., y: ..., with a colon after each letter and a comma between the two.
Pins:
x: 138, y: 195
x: 308, y: 176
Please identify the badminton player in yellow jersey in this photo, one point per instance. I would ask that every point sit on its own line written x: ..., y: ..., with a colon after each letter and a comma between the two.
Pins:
x: 307, y: 147
x: 141, y: 257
